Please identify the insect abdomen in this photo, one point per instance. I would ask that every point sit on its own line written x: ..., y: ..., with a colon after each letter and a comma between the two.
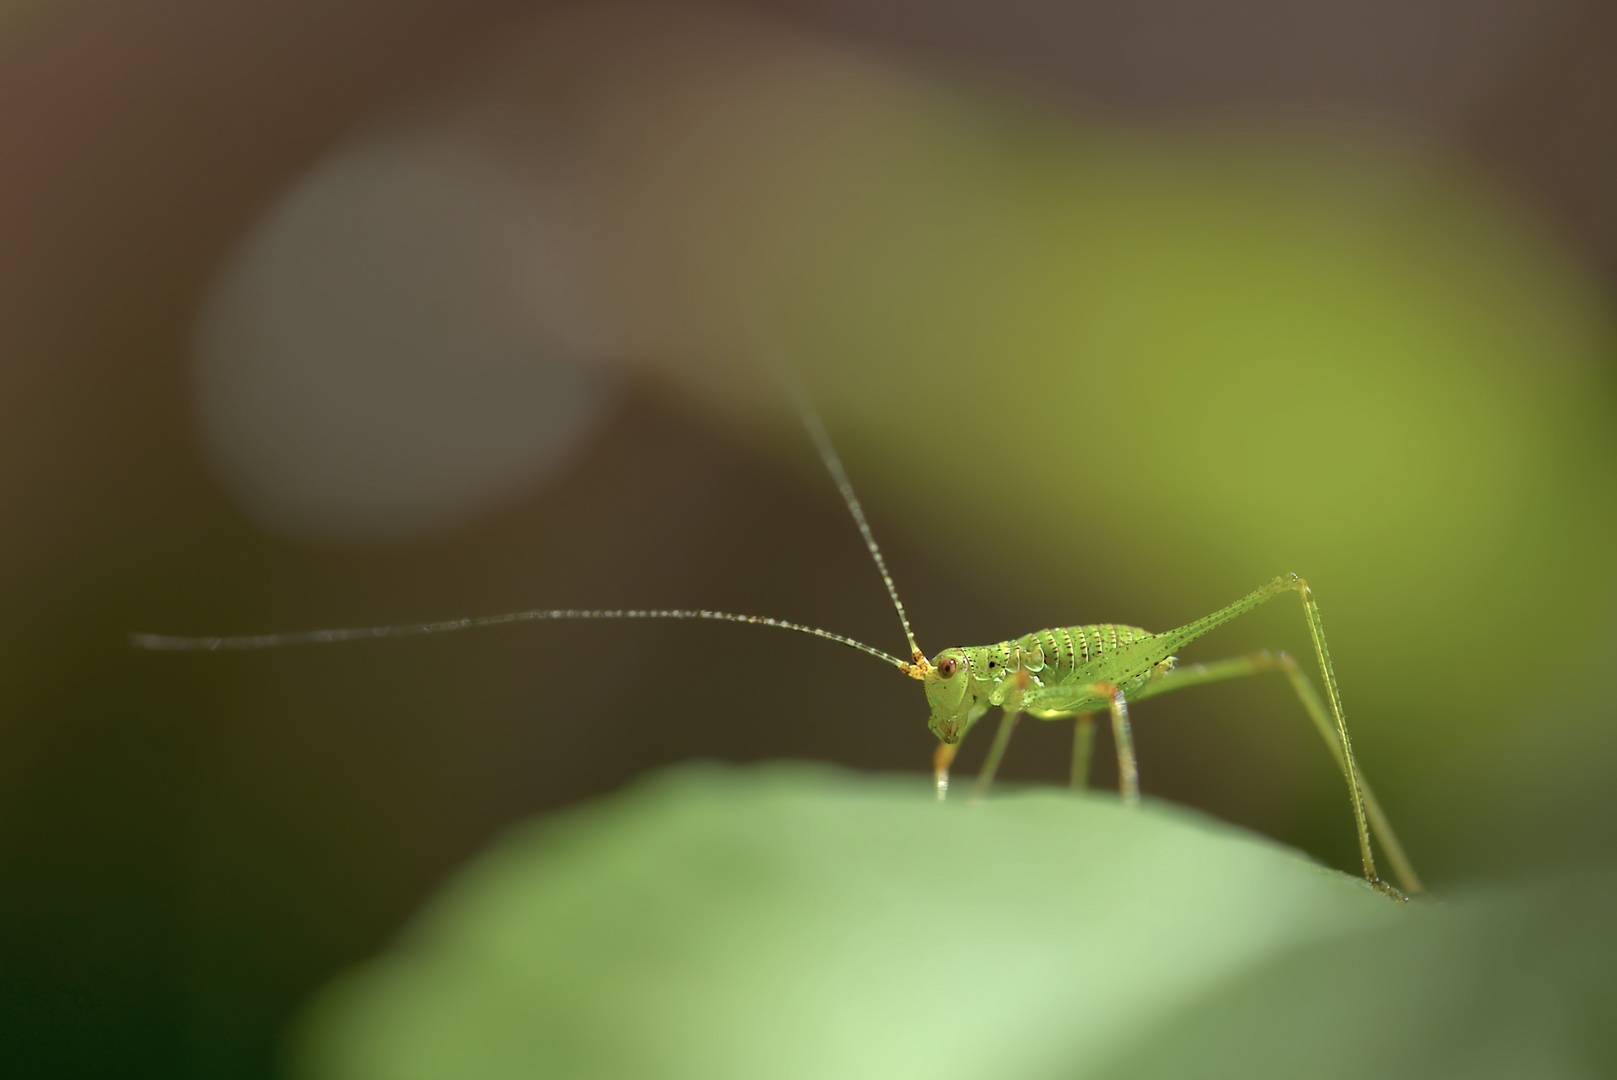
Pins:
x: 1055, y: 655
x: 1070, y: 649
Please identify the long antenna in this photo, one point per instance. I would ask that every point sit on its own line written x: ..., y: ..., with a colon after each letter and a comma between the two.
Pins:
x: 167, y: 643
x: 784, y: 373
x: 833, y: 464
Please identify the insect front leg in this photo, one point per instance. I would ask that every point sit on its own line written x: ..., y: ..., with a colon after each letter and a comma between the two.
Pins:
x: 942, y: 757
x: 1002, y: 739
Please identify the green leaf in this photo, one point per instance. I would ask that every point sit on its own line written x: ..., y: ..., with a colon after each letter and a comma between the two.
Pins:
x: 786, y: 921
x: 1500, y: 984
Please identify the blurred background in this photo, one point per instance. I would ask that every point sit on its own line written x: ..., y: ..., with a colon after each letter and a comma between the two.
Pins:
x: 353, y: 313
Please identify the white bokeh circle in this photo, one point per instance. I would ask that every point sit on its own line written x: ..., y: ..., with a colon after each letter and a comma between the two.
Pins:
x: 397, y: 345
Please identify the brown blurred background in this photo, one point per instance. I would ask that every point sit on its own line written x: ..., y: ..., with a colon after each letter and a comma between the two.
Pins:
x: 190, y: 844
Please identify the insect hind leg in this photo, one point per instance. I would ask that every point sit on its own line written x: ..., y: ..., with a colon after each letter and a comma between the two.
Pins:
x: 1173, y: 640
x: 1264, y: 661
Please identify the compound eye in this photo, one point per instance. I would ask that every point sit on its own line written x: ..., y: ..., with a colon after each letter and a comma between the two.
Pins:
x: 946, y: 667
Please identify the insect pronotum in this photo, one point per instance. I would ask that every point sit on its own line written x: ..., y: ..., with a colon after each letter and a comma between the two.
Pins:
x: 1074, y: 672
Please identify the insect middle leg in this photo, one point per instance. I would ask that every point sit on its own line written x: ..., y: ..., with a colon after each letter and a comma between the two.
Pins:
x: 1128, y: 767
x: 1259, y: 662
x: 1083, y: 745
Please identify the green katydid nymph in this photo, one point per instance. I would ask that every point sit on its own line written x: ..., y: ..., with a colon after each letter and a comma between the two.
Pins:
x: 1077, y: 672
